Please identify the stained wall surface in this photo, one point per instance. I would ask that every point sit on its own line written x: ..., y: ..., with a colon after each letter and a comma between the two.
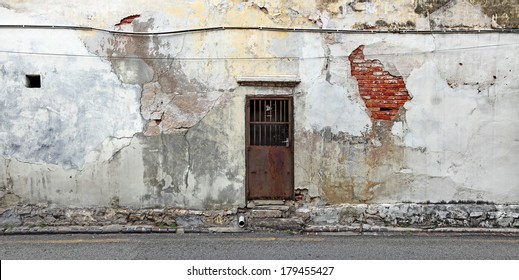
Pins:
x: 158, y: 120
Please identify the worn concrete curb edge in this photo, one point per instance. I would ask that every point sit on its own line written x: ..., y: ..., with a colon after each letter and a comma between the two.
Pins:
x: 352, y: 230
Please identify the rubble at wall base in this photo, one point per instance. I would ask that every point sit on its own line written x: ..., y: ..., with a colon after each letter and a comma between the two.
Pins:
x: 305, y: 218
x: 42, y: 216
x: 414, y: 215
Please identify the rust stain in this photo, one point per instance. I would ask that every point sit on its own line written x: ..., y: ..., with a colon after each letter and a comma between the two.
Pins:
x: 338, y: 192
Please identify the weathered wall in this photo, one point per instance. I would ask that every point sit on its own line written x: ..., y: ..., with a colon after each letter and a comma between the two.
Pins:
x: 153, y: 121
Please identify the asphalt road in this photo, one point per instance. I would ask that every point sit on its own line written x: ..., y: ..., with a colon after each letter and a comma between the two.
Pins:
x: 255, y: 246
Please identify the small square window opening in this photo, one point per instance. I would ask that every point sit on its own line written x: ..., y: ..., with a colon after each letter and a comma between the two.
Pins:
x: 33, y: 81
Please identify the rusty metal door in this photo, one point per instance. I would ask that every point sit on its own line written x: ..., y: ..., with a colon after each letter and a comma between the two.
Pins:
x: 269, y: 148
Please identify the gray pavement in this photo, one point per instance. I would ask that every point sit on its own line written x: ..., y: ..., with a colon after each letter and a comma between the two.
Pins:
x: 257, y: 246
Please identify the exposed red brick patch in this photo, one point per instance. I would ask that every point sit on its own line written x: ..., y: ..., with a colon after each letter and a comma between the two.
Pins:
x: 127, y: 20
x: 261, y: 8
x: 383, y: 93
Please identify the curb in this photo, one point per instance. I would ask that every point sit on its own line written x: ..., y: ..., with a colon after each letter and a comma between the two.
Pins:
x: 85, y: 230
x: 116, y: 230
x: 309, y: 230
x: 374, y: 230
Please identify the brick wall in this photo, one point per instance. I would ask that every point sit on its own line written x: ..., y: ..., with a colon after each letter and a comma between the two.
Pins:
x: 383, y: 93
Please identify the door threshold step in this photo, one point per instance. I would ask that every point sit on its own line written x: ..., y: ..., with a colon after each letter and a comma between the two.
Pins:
x: 283, y: 208
x: 276, y: 223
x: 268, y: 202
x: 266, y: 213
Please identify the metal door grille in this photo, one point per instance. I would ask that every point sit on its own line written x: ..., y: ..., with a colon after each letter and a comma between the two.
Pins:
x: 269, y: 122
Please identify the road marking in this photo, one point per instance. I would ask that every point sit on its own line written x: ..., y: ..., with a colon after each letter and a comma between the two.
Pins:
x: 64, y: 241
x: 274, y: 239
x: 181, y: 238
x: 264, y: 239
x: 498, y: 241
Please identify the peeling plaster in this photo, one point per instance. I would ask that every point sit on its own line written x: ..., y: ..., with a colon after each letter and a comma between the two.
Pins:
x: 459, y: 13
x: 88, y: 102
x: 335, y: 14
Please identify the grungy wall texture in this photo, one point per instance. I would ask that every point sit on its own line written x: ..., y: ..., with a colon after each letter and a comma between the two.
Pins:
x: 155, y: 121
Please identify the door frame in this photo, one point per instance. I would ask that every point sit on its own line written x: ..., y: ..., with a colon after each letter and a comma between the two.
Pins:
x: 291, y: 179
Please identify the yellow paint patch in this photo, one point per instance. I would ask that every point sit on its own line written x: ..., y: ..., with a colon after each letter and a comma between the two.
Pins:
x: 247, y: 17
x: 177, y: 11
x: 198, y: 7
x: 280, y: 35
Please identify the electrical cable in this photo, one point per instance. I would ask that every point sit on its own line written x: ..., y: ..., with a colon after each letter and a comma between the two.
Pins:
x: 284, y: 29
x: 210, y: 29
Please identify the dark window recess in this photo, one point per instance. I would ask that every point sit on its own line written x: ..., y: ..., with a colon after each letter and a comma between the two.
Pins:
x: 269, y: 122
x: 33, y: 81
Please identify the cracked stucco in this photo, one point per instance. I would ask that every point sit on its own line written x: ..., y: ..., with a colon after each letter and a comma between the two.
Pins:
x: 348, y: 14
x: 159, y: 121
